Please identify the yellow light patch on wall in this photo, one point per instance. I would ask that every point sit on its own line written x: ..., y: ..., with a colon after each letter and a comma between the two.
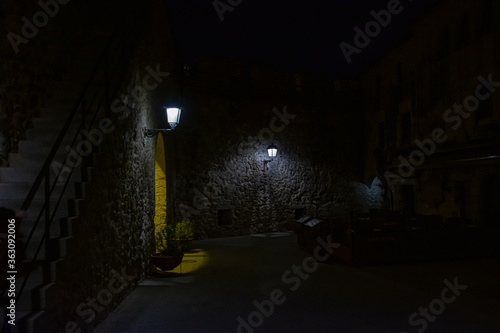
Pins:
x: 160, y: 184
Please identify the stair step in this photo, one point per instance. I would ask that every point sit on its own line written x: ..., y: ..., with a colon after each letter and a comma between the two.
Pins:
x: 17, y: 161
x: 80, y: 189
x: 60, y: 246
x: 20, y: 190
x: 11, y: 175
x: 29, y: 172
x: 34, y: 244
x: 35, y: 207
x: 54, y: 123
x: 21, y: 317
x: 31, y: 322
x: 42, y: 294
x: 27, y: 225
x: 29, y: 148
x: 23, y: 304
x: 50, y: 135
x: 35, y: 279
x: 51, y: 269
x: 74, y: 206
x: 38, y: 151
x: 37, y: 240
x: 69, y: 225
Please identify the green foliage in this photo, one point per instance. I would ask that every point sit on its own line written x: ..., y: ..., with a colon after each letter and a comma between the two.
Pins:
x: 184, y: 230
x: 173, y: 239
x: 166, y: 244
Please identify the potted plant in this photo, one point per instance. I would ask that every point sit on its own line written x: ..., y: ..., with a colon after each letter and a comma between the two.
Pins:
x: 172, y: 240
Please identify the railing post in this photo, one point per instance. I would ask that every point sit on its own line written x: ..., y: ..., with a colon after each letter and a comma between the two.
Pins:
x: 47, y: 211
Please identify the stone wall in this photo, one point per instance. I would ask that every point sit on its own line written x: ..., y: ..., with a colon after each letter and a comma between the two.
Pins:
x: 225, y: 182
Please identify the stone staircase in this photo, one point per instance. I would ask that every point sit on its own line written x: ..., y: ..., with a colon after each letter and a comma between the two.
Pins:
x: 41, y: 291
x: 16, y: 181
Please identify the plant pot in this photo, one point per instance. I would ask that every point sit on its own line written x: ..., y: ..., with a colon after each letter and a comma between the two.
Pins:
x: 166, y: 263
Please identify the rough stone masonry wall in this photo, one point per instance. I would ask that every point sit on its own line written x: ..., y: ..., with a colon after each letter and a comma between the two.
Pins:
x: 114, y: 235
x: 221, y: 158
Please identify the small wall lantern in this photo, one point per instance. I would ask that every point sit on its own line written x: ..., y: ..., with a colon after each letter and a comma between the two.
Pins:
x: 272, y: 150
x: 173, y: 117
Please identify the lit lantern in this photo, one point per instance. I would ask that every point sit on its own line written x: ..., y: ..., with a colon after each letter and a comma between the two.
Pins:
x: 272, y: 150
x: 173, y: 116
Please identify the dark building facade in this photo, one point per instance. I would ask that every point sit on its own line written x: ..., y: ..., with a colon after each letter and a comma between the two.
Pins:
x: 432, y: 105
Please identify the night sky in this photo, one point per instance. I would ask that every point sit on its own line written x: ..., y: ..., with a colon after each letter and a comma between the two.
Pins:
x: 295, y: 34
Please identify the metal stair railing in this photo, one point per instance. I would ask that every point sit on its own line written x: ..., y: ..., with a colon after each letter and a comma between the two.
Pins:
x: 92, y: 102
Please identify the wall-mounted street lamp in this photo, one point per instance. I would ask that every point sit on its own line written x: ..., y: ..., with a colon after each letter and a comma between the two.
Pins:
x: 272, y: 150
x: 173, y: 116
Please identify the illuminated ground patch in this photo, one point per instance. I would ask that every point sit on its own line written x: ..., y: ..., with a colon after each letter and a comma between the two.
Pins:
x: 192, y: 262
